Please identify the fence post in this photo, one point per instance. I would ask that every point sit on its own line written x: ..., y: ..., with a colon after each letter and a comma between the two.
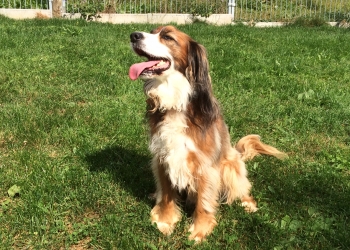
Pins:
x: 63, y: 7
x: 50, y: 7
x: 231, y: 8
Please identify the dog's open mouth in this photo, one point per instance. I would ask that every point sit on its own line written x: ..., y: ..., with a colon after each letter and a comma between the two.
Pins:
x: 154, y: 66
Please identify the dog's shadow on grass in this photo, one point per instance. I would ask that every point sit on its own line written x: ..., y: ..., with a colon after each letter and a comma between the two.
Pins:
x: 132, y: 170
x: 129, y: 168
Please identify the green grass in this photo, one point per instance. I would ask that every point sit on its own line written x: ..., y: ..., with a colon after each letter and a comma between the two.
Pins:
x: 74, y: 140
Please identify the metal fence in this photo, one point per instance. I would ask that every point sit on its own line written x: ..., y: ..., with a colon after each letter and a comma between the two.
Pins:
x: 241, y: 10
x: 24, y: 4
x: 288, y: 10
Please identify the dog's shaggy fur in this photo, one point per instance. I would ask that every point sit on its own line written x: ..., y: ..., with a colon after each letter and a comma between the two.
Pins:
x: 189, y: 138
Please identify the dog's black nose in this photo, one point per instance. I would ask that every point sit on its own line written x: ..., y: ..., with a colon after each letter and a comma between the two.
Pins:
x: 136, y: 36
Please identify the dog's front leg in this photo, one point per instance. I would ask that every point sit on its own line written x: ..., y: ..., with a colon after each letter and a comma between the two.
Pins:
x: 208, y: 187
x: 166, y: 212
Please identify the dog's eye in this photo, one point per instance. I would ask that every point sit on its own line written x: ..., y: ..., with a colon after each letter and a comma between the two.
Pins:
x: 168, y: 38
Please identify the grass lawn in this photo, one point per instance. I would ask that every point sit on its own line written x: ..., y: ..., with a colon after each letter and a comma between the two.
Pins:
x: 74, y: 162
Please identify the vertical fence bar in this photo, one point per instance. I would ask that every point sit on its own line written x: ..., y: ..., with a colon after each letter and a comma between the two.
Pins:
x: 279, y: 11
x: 256, y: 7
x: 206, y: 6
x: 335, y: 9
x: 299, y: 8
x: 240, y: 13
x: 243, y: 11
x: 316, y: 6
x: 50, y: 7
x: 311, y: 9
x: 251, y: 9
x: 63, y: 7
x: 231, y: 8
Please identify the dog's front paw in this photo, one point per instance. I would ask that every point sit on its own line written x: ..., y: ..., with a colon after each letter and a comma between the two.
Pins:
x: 199, y: 230
x: 249, y: 204
x: 249, y: 207
x: 164, y: 228
x: 165, y: 219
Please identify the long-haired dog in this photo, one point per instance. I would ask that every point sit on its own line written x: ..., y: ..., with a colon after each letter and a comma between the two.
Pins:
x: 189, y: 138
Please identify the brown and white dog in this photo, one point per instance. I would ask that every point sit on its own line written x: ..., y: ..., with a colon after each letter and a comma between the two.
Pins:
x: 189, y: 138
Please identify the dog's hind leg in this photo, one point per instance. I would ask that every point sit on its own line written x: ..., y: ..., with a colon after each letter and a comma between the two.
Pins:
x: 235, y: 184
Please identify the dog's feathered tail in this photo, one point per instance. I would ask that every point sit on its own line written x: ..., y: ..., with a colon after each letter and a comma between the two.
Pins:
x: 234, y: 174
x: 251, y: 146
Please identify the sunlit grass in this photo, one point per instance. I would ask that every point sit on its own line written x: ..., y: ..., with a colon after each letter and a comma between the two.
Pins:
x: 74, y: 140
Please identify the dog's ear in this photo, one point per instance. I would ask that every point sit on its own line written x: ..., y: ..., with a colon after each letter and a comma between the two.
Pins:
x: 198, y: 66
x: 205, y: 107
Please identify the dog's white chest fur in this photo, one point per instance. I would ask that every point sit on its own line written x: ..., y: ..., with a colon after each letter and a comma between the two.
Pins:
x: 171, y: 145
x: 171, y: 91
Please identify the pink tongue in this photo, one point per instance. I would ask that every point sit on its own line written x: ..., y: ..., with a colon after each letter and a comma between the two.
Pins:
x: 136, y: 69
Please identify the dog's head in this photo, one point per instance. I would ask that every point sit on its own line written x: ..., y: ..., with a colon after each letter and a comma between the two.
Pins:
x: 167, y: 50
x: 176, y: 72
